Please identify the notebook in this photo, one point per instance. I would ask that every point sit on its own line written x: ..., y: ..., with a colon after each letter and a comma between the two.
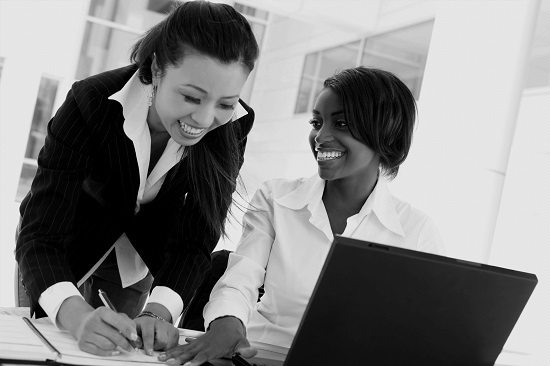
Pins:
x: 38, y: 342
x: 382, y: 305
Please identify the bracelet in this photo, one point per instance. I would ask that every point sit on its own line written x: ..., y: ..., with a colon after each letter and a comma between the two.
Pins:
x: 151, y: 315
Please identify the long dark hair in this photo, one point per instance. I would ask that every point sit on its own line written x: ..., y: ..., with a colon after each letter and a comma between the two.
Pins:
x: 380, y: 111
x: 220, y: 32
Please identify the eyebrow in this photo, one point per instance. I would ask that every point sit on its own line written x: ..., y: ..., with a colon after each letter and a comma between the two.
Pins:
x: 332, y: 114
x: 205, y: 92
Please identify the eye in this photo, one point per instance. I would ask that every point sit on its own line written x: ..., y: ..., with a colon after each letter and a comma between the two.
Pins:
x: 341, y: 123
x: 315, y: 123
x: 191, y: 99
x: 227, y: 106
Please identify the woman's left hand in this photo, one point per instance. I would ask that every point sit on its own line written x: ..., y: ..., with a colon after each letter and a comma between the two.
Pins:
x: 225, y: 337
x: 156, y: 334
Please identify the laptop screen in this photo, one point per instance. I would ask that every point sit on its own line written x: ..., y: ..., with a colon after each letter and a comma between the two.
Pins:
x: 384, y: 305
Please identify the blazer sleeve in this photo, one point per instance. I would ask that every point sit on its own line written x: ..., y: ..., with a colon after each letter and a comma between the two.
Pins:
x: 188, y: 250
x: 48, y: 210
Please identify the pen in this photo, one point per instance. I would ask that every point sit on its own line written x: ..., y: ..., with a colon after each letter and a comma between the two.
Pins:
x: 42, y: 338
x: 107, y: 302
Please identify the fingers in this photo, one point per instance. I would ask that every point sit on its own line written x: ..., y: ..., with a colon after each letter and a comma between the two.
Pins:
x: 212, y: 345
x: 247, y: 351
x: 99, y: 347
x: 173, y: 338
x: 177, y: 355
x: 98, y: 333
x: 147, y: 328
x: 123, y: 331
x: 124, y: 325
x: 156, y: 334
x: 199, y: 359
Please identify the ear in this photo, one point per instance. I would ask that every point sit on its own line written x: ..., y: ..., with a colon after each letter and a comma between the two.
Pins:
x: 155, y: 70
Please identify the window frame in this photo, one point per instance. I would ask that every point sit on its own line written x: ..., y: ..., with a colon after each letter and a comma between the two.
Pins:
x: 360, y: 54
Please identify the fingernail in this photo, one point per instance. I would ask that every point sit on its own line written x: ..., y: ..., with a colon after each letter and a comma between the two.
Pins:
x: 171, y: 361
x: 114, y: 353
x: 149, y: 351
x: 162, y: 356
x: 133, y: 336
x: 187, y: 363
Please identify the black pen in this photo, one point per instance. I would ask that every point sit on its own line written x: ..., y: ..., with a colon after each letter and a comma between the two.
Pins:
x: 42, y: 338
x: 107, y: 302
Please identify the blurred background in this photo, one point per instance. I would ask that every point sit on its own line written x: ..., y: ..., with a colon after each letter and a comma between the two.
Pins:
x: 480, y: 71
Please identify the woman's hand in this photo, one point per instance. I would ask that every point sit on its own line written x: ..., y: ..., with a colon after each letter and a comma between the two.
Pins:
x: 156, y: 334
x: 225, y: 337
x: 98, y: 331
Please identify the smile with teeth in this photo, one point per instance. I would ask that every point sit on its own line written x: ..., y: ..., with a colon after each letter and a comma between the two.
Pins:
x: 328, y: 155
x: 190, y: 130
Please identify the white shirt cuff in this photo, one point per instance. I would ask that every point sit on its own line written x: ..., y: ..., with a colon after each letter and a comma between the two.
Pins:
x: 53, y: 297
x: 169, y: 299
x: 217, y: 308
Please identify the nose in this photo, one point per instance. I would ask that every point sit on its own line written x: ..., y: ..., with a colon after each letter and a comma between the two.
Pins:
x: 324, y: 135
x: 203, y: 115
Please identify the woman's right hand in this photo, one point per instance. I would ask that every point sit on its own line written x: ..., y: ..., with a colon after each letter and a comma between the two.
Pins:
x: 225, y: 337
x: 98, y: 331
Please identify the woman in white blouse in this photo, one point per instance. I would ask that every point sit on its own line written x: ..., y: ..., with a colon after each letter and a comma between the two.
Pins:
x: 362, y: 125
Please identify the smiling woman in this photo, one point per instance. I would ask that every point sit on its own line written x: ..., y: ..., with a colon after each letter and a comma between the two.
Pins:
x: 362, y: 125
x: 194, y: 98
x: 135, y: 181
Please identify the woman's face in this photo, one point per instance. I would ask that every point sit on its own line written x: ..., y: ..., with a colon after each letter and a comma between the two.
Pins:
x: 196, y: 97
x: 339, y: 155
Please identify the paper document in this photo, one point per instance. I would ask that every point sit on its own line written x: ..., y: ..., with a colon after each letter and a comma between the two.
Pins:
x: 18, y: 341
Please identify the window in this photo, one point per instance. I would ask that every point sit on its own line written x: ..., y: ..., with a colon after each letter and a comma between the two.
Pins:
x: 402, y: 52
x: 258, y: 20
x: 112, y: 27
x: 43, y: 111
x: 251, y: 11
x: 320, y: 65
x: 103, y: 48
x: 538, y: 64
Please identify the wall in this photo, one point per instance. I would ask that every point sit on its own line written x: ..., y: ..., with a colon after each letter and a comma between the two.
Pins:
x: 467, y: 115
x: 522, y: 231
x: 31, y: 44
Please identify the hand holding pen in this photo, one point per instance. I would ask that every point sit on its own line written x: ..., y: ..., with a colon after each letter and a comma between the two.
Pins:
x: 132, y: 338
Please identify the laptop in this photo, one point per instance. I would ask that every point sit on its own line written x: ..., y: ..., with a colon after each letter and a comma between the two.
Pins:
x: 382, y: 305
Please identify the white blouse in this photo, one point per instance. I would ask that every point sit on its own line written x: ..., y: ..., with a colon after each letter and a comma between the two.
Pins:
x: 286, y: 238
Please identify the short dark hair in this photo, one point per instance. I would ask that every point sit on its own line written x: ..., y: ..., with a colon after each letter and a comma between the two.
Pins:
x: 215, y: 30
x: 220, y: 32
x: 380, y: 111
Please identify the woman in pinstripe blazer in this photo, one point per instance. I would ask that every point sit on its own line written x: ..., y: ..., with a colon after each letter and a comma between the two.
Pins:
x: 135, y: 181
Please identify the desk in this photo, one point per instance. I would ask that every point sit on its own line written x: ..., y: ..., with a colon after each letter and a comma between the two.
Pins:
x: 276, y: 355
x: 17, y: 341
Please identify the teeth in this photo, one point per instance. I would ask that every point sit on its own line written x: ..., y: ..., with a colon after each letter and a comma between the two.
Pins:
x: 328, y: 155
x: 190, y: 130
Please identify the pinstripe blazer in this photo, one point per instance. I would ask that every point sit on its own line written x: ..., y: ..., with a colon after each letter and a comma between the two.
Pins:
x: 84, y: 194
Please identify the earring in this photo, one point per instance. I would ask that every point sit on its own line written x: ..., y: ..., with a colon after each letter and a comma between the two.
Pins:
x: 151, y: 95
